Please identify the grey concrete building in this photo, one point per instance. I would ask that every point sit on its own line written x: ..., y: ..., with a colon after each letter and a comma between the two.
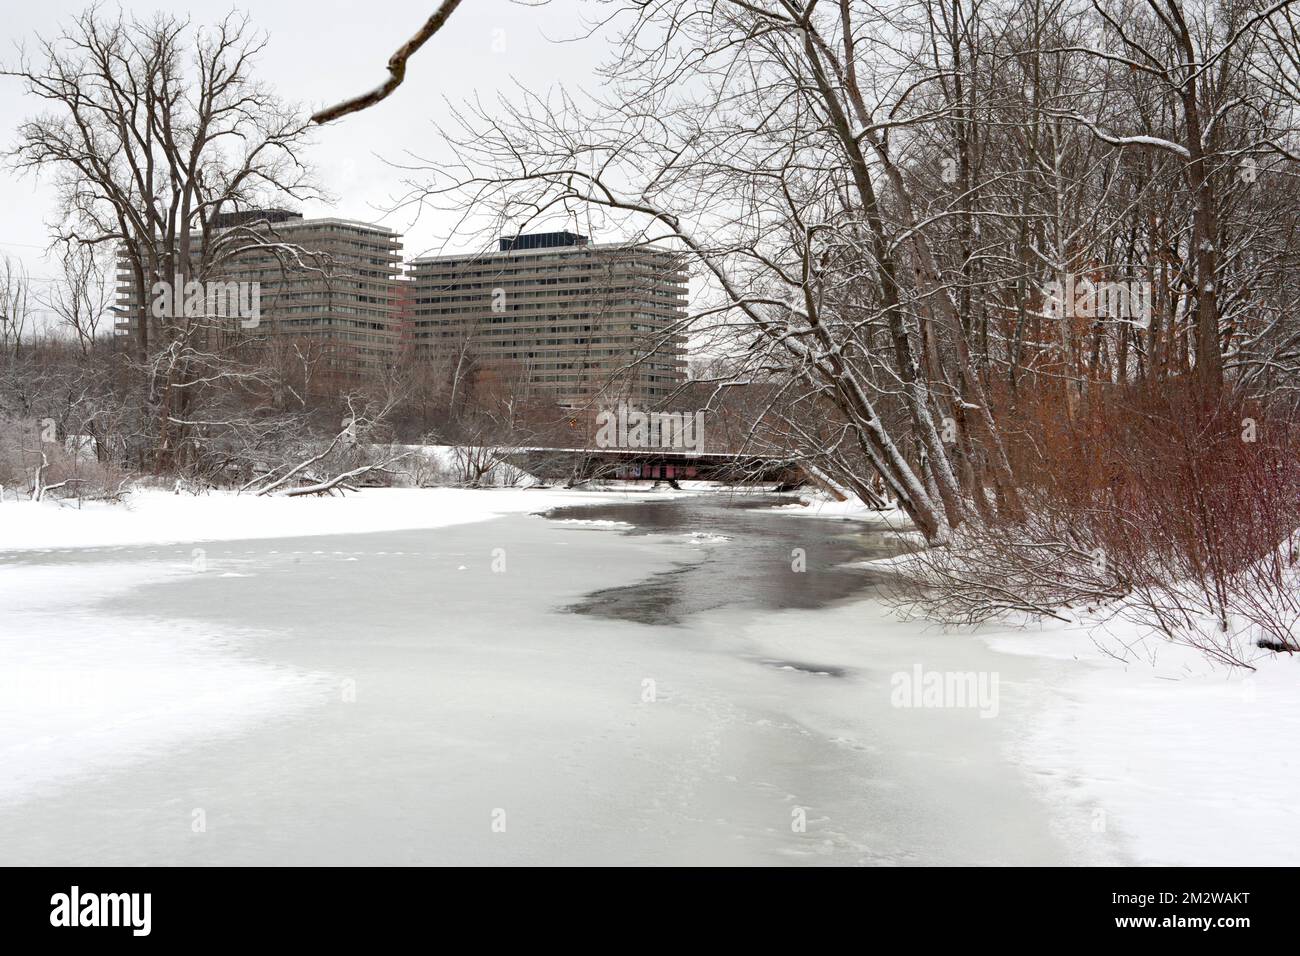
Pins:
x: 579, y: 323
x: 333, y: 294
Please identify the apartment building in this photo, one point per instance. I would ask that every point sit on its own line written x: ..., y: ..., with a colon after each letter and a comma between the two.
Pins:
x: 330, y: 293
x: 576, y: 322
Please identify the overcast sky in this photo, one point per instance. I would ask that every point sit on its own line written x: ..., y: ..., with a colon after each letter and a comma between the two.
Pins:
x: 322, y: 51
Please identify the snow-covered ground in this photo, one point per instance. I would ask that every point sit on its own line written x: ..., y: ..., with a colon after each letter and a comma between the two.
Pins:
x: 141, y: 680
x: 850, y: 509
x: 160, y: 517
x: 1190, y: 763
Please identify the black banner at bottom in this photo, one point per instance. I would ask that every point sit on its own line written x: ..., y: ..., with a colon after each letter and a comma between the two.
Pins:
x: 140, y: 907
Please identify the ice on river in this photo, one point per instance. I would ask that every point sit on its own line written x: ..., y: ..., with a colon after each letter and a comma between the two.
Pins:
x: 430, y: 696
x: 671, y: 682
x: 86, y: 692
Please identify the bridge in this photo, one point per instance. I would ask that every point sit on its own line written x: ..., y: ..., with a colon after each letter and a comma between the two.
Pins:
x: 657, y: 464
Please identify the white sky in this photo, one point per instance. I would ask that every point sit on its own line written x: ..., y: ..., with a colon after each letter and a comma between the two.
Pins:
x: 322, y: 51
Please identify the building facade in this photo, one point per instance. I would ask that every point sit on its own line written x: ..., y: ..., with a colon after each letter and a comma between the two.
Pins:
x: 331, y: 289
x: 577, y: 323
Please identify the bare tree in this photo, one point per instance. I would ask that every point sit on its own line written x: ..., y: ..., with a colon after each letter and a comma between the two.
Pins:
x: 15, y: 291
x: 82, y: 295
x: 154, y: 130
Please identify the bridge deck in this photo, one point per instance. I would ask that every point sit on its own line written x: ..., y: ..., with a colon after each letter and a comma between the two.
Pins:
x: 639, y: 464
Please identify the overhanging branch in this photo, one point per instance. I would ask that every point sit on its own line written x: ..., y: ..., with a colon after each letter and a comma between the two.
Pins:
x: 396, y: 68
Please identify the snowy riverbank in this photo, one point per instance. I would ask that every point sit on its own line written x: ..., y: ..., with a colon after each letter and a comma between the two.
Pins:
x: 1190, y: 762
x: 160, y: 517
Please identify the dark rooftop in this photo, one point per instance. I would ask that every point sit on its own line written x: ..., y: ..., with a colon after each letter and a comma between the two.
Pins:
x: 541, y: 240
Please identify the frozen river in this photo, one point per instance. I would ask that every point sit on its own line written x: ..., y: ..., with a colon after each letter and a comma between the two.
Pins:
x: 557, y: 689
